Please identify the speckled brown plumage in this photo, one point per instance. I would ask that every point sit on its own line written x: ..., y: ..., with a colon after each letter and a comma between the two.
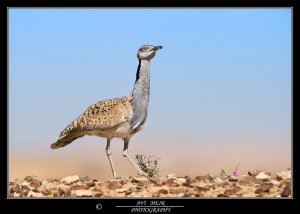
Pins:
x: 98, y: 118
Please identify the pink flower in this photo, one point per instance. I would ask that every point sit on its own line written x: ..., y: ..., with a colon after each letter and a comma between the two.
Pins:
x: 234, y: 173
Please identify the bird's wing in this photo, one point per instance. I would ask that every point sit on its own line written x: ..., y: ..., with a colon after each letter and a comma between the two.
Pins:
x: 102, y: 115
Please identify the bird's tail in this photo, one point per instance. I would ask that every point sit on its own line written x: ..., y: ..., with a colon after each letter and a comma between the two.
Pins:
x: 63, y: 141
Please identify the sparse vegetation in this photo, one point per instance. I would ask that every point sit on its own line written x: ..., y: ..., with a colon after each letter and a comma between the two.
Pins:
x: 149, y: 164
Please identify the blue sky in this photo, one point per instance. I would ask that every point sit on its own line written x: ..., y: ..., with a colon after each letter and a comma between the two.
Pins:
x: 220, y: 87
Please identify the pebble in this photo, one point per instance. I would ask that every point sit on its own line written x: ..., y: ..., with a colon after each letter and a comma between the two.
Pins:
x: 121, y: 190
x: 82, y: 193
x: 222, y: 195
x: 114, y: 185
x: 70, y: 179
x: 180, y: 181
x: 156, y: 194
x: 277, y: 183
x: 284, y: 175
x: 176, y: 190
x: 233, y: 178
x: 48, y: 185
x: 46, y: 192
x: 266, y: 187
x: 16, y: 194
x: 35, y: 183
x: 25, y: 183
x: 34, y: 194
x: 209, y: 177
x: 262, y: 176
x: 286, y: 192
x: 64, y: 187
x: 218, y: 180
x: 163, y: 191
x: 90, y: 183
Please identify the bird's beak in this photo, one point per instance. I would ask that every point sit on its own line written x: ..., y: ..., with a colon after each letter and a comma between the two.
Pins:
x: 157, y: 47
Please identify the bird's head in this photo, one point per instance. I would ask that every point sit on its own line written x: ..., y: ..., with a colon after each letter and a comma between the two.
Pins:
x: 147, y: 52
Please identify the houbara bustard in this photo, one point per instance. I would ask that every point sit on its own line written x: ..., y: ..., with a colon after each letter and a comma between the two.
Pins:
x: 118, y: 117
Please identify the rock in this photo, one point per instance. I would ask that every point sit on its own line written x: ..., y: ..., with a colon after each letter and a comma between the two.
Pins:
x: 284, y: 183
x: 200, y: 178
x: 141, y: 186
x: 284, y: 175
x: 188, y: 181
x: 180, y: 181
x: 218, y: 180
x: 187, y: 194
x: 68, y: 193
x: 46, y: 192
x: 82, y: 193
x: 262, y: 176
x: 247, y: 181
x: 114, y: 185
x: 200, y: 184
x: 176, y: 190
x: 209, y: 177
x: 17, y: 189
x: 25, y: 183
x: 70, y: 179
x: 48, y: 185
x: 60, y: 193
x: 286, y: 192
x: 98, y: 194
x: 35, y: 183
x: 64, y: 187
x: 28, y: 178
x: 222, y: 195
x: 121, y: 190
x: 156, y: 194
x: 233, y: 190
x: 170, y: 183
x: 265, y: 187
x: 254, y: 173
x: 79, y: 186
x: 34, y: 194
x: 16, y: 194
x: 25, y: 190
x: 163, y: 191
x: 232, y: 178
x: 201, y: 189
x: 90, y: 183
x: 141, y: 180
x: 275, y: 182
x: 181, y: 194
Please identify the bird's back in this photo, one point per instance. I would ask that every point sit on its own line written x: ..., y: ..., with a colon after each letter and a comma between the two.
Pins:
x: 102, y: 119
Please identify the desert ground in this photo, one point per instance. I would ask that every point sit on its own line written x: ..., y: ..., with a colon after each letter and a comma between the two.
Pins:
x: 255, y: 184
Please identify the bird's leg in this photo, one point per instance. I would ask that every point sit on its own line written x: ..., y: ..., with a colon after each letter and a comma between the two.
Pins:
x: 109, y: 153
x: 125, y: 155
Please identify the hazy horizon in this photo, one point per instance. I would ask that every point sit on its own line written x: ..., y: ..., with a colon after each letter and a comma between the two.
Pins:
x: 220, y: 88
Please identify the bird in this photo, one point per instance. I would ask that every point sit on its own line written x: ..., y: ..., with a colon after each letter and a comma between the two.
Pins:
x: 117, y: 117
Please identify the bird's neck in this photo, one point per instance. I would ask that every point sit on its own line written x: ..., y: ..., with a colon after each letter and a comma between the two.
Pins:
x: 142, y: 81
x: 140, y: 93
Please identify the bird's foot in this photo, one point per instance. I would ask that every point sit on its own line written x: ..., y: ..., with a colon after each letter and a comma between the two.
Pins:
x: 142, y: 173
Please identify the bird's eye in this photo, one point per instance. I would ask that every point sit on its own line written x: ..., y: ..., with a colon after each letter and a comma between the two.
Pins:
x: 144, y: 49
